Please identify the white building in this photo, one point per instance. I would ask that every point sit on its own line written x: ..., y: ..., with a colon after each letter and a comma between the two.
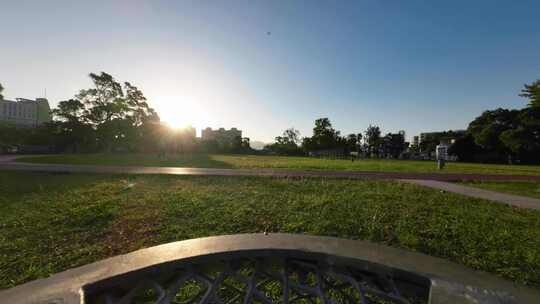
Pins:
x: 25, y: 112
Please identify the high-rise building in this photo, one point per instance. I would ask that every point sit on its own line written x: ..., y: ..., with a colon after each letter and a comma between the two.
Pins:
x: 25, y: 112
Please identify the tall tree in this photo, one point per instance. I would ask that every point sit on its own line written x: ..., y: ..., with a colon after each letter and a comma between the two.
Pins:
x: 373, y: 139
x: 353, y: 142
x: 359, y: 138
x: 74, y: 133
x: 119, y: 113
x: 532, y: 92
x: 138, y: 107
x: 393, y: 144
x: 465, y: 148
x: 324, y: 137
x: 287, y: 144
x: 504, y: 134
x: 488, y: 127
x: 71, y: 110
x: 293, y: 135
x: 1, y: 90
x: 105, y: 101
x: 523, y: 140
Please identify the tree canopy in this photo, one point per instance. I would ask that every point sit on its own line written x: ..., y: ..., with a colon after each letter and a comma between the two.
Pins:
x: 373, y: 139
x: 532, y: 92
x: 504, y: 134
x: 327, y: 141
x: 324, y: 137
x: 105, y: 116
x: 286, y: 144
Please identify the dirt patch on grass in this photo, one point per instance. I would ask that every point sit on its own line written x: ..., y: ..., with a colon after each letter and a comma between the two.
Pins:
x: 137, y: 226
x: 127, y: 234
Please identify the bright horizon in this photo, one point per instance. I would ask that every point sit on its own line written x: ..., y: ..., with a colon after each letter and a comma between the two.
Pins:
x: 263, y: 67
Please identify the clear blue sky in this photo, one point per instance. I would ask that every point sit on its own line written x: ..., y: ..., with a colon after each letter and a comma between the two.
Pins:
x: 412, y: 65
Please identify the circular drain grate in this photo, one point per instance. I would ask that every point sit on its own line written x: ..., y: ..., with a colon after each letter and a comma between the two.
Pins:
x: 275, y: 268
x: 269, y: 279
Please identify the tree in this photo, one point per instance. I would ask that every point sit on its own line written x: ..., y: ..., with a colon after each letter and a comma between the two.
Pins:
x: 287, y: 144
x: 138, y: 107
x: 74, y: 133
x: 532, y: 92
x: 515, y: 140
x: 359, y: 138
x: 373, y: 139
x: 245, y: 144
x: 293, y: 135
x: 415, y: 146
x: 1, y: 90
x: 236, y: 144
x: 324, y: 137
x: 10, y: 135
x: 105, y: 101
x: 465, y: 148
x: 71, y: 110
x: 354, y: 142
x: 488, y: 127
x: 504, y: 134
x: 523, y: 140
x: 117, y: 112
x: 323, y: 126
x: 393, y: 144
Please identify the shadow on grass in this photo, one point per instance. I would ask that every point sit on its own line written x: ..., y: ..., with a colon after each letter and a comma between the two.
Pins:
x: 16, y: 184
x: 154, y: 160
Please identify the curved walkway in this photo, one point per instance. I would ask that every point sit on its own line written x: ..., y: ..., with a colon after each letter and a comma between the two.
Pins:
x: 433, y: 180
x: 510, y: 199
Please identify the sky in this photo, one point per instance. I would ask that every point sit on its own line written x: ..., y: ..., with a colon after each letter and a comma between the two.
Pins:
x: 264, y: 66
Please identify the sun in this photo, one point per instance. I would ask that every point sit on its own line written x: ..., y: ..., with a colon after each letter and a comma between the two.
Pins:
x: 182, y: 115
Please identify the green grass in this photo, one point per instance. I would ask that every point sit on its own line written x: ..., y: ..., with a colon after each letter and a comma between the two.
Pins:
x: 280, y: 162
x: 52, y: 222
x: 524, y: 188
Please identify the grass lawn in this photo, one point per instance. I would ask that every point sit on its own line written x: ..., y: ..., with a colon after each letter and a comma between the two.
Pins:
x: 524, y: 188
x: 278, y: 162
x: 52, y: 222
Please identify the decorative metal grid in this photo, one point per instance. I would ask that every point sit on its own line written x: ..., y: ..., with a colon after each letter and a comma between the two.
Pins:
x: 262, y: 280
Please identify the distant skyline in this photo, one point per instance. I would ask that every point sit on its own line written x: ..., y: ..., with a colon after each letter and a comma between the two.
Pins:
x: 264, y: 66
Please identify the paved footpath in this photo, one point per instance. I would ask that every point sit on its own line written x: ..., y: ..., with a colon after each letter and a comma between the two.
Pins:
x: 433, y: 180
x: 10, y: 164
x: 510, y: 199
